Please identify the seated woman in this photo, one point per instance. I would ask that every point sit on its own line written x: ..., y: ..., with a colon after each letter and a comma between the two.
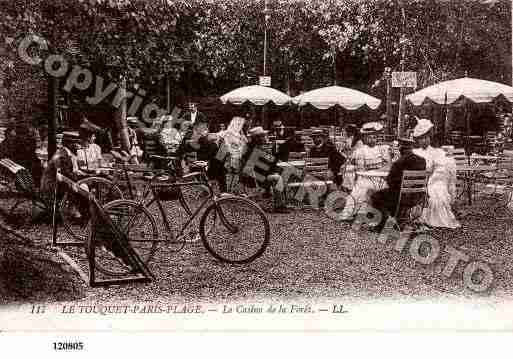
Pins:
x: 89, y: 156
x: 170, y: 137
x: 351, y: 142
x: 442, y: 181
x: 368, y: 157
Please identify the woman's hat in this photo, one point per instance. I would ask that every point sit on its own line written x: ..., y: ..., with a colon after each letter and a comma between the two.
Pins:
x: 257, y: 131
x: 317, y: 133
x: 423, y: 127
x: 371, y: 127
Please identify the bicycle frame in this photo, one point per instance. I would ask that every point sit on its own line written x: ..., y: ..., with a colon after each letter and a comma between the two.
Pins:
x: 212, y: 198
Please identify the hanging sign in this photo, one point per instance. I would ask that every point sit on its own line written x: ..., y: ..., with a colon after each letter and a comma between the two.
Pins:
x: 404, y: 79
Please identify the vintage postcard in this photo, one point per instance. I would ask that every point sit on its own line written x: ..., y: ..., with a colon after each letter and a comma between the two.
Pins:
x: 267, y: 166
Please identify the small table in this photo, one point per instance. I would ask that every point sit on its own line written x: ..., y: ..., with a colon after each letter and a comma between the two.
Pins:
x: 376, y: 176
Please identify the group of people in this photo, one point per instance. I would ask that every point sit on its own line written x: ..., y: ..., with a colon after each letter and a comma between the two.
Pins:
x: 416, y: 154
x: 233, y: 153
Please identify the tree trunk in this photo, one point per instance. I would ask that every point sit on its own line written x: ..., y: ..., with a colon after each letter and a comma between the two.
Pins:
x: 120, y: 119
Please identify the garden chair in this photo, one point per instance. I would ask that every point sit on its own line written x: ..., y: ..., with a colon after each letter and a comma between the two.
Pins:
x: 412, y: 198
x: 315, y: 177
x: 498, y: 186
x: 456, y: 138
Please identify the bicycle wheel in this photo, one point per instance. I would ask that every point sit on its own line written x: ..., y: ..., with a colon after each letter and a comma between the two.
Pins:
x: 74, y: 210
x: 138, y: 229
x: 235, y: 230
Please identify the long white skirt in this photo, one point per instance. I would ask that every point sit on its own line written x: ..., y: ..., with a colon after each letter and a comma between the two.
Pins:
x: 361, y: 194
x: 441, y: 194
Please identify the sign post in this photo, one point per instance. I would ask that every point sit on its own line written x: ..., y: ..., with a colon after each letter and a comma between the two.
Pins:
x: 403, y: 80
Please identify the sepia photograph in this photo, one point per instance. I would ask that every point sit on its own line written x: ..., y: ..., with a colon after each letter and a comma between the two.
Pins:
x: 255, y: 165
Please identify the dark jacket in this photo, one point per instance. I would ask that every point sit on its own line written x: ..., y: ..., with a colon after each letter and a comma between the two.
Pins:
x: 407, y: 161
x: 328, y: 149
x: 291, y: 145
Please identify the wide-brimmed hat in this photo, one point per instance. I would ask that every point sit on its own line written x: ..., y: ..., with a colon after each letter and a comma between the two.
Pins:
x: 257, y: 131
x: 371, y: 127
x: 132, y: 120
x: 423, y: 127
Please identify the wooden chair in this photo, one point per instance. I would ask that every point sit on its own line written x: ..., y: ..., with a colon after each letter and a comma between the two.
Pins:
x: 456, y: 138
x: 459, y: 156
x: 315, y: 177
x: 412, y: 197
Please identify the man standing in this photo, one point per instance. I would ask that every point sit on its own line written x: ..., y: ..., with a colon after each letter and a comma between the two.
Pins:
x: 386, y: 201
x: 193, y: 115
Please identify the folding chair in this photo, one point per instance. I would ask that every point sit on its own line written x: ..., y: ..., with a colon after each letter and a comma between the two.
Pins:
x: 315, y: 177
x: 412, y: 197
x: 498, y: 185
x: 107, y: 229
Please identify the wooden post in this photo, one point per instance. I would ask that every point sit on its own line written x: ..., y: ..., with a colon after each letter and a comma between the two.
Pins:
x: 53, y: 88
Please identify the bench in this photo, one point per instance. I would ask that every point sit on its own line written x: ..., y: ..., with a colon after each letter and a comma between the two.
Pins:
x: 22, y: 187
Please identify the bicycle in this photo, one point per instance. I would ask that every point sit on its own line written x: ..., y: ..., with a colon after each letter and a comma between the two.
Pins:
x: 226, y: 212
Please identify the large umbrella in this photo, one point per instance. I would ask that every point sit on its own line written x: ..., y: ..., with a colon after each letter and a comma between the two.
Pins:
x: 463, y: 90
x: 327, y: 97
x: 466, y: 88
x: 257, y: 95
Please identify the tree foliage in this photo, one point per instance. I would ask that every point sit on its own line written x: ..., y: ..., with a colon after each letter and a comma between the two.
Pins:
x: 224, y: 40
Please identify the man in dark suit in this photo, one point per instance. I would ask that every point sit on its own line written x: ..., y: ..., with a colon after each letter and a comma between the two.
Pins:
x: 292, y: 144
x: 193, y: 115
x: 323, y: 147
x: 387, y: 200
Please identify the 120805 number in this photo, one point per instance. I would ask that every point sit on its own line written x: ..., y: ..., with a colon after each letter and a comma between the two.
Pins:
x: 68, y: 346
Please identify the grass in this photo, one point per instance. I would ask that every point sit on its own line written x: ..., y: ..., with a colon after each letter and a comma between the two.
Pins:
x: 312, y: 256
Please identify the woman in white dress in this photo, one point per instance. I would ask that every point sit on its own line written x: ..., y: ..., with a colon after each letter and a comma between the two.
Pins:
x: 369, y: 156
x: 350, y: 144
x: 233, y: 143
x: 442, y: 179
